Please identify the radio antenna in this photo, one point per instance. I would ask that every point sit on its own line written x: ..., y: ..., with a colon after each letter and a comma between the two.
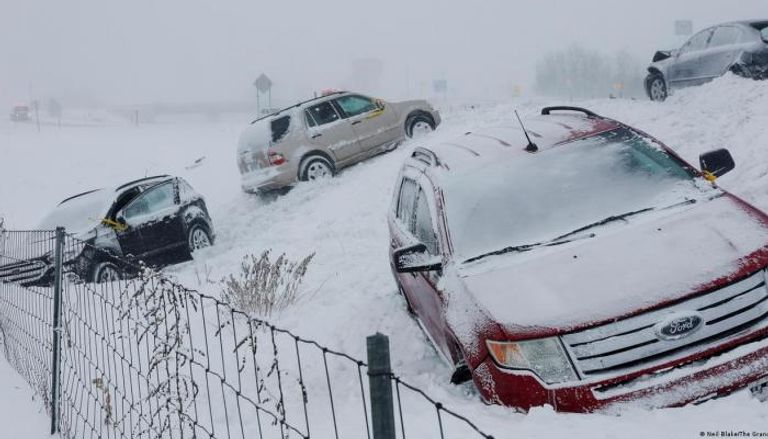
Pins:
x: 531, y: 147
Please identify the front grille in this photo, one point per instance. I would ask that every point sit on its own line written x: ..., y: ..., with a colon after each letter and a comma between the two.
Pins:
x: 23, y: 272
x: 633, y: 342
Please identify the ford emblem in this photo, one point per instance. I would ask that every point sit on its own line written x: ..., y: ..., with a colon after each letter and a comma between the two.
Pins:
x: 678, y: 325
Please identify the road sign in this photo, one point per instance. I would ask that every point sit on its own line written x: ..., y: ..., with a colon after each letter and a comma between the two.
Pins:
x: 263, y: 83
x: 683, y: 27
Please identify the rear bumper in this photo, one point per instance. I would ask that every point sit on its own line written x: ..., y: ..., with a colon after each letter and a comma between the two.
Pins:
x: 273, y: 177
x: 691, y: 380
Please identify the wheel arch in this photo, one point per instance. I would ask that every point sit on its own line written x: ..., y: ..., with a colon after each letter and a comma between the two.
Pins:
x: 414, y: 114
x: 314, y: 152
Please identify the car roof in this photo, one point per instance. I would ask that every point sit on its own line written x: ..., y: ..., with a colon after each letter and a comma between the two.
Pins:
x: 143, y: 182
x: 146, y: 181
x: 508, y: 142
x: 308, y: 101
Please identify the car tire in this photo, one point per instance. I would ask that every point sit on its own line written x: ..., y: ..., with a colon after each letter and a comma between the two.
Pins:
x: 657, y: 87
x: 740, y: 70
x: 105, y: 272
x: 315, y: 167
x: 198, y: 237
x: 419, y: 125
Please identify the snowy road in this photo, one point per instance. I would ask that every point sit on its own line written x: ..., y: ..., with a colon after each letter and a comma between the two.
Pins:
x: 349, y: 291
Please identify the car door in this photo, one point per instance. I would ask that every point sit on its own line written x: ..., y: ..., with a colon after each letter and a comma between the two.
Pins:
x: 326, y: 128
x: 724, y: 47
x: 415, y: 218
x: 685, y: 69
x: 375, y: 123
x: 153, y: 223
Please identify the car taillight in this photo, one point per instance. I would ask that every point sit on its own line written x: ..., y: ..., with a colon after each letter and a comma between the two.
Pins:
x: 276, y: 158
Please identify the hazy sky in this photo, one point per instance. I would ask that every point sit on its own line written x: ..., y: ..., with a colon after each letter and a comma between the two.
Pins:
x: 138, y: 51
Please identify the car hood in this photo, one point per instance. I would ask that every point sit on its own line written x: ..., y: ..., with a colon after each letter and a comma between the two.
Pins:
x: 627, y: 268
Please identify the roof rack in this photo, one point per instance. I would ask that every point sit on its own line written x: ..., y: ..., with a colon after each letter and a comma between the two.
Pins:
x: 546, y: 110
x: 131, y: 183
x: 298, y: 105
x: 425, y: 156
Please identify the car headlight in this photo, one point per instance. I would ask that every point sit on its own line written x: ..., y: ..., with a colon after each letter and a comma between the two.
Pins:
x: 544, y: 357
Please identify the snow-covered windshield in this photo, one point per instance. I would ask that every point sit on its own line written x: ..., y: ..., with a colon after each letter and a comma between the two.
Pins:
x: 79, y: 214
x: 538, y: 197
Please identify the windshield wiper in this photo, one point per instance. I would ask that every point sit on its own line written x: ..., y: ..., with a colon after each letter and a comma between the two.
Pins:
x: 622, y: 216
x: 562, y: 238
x: 526, y: 247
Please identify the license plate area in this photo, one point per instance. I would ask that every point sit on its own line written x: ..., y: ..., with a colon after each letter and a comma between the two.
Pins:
x: 759, y: 389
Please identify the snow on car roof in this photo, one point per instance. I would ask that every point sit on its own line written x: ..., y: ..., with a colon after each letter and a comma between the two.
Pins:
x: 145, y: 180
x: 476, y: 149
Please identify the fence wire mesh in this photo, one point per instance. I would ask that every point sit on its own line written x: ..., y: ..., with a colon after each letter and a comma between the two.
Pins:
x: 142, y: 356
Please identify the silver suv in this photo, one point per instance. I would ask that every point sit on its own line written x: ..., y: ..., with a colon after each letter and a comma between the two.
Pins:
x: 316, y: 138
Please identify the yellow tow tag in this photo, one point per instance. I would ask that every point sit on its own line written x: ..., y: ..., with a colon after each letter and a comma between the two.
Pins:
x: 114, y: 224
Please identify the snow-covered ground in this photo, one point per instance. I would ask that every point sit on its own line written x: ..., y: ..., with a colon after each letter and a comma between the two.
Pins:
x: 21, y: 415
x: 349, y: 292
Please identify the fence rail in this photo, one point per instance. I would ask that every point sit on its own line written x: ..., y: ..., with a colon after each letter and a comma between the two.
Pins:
x: 142, y: 356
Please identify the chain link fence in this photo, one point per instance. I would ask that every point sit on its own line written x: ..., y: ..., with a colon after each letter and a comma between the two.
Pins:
x: 142, y: 356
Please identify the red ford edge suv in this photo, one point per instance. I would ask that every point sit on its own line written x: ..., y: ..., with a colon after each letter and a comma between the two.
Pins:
x: 581, y: 263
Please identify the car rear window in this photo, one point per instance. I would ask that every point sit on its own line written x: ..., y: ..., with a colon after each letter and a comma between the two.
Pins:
x: 762, y: 26
x: 280, y: 128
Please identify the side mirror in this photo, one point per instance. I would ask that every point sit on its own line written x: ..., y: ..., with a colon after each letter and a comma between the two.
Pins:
x: 661, y: 55
x: 379, y: 104
x: 716, y: 163
x: 415, y: 258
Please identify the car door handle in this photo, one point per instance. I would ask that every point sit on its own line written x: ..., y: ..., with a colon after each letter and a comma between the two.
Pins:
x: 315, y: 136
x: 356, y: 122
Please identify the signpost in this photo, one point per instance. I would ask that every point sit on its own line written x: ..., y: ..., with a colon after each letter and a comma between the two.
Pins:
x: 263, y: 86
x: 440, y: 86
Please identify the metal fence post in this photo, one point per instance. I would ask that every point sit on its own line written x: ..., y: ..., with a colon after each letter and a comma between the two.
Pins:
x: 57, y: 275
x: 380, y: 381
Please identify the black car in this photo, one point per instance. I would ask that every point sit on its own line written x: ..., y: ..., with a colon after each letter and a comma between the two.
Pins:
x: 739, y: 47
x: 157, y: 220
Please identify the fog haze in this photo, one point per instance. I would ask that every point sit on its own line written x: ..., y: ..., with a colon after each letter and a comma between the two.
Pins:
x: 118, y: 53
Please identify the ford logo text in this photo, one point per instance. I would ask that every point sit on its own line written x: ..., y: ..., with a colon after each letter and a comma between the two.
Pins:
x: 678, y: 326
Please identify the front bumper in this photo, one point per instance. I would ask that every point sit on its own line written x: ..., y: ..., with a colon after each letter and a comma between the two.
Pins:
x: 697, y: 378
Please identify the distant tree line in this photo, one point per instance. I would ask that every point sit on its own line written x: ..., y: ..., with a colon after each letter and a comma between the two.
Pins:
x: 577, y: 72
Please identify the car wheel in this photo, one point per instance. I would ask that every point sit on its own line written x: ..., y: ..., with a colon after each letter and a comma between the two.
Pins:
x: 419, y: 126
x: 657, y: 88
x: 740, y: 70
x: 105, y: 272
x: 316, y: 168
x: 198, y: 238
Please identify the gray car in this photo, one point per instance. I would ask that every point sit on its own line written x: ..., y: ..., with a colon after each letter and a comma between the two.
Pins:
x: 740, y: 47
x: 317, y: 138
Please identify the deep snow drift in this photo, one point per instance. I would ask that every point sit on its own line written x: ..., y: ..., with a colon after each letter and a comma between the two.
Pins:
x: 349, y: 292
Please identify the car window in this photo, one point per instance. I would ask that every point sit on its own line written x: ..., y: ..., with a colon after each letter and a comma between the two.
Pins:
x: 405, y: 203
x: 764, y: 33
x: 308, y: 118
x: 323, y: 113
x: 280, y: 128
x: 698, y: 41
x: 725, y: 35
x: 354, y: 105
x: 152, y: 201
x: 424, y: 231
